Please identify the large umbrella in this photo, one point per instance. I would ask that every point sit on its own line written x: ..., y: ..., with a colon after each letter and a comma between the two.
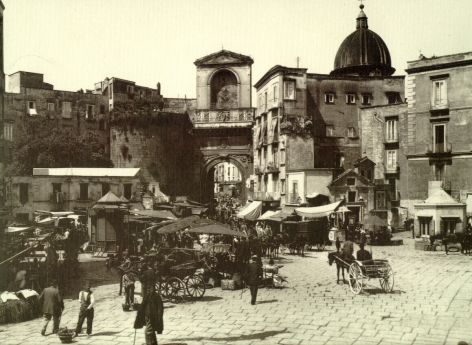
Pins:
x: 216, y: 229
x: 183, y: 223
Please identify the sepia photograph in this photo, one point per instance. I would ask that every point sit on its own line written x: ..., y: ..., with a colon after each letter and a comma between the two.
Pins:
x: 240, y: 172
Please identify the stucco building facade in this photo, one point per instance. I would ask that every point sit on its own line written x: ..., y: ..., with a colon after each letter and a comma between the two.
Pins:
x: 307, y: 124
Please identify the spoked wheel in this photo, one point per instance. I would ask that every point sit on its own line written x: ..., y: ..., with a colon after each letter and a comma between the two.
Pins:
x: 355, y: 278
x: 387, y: 281
x: 175, y: 289
x: 161, y: 288
x: 195, y: 286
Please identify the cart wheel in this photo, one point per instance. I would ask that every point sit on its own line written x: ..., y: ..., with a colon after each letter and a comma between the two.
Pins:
x: 387, y: 281
x: 195, y: 286
x: 355, y: 278
x: 161, y: 288
x: 175, y: 289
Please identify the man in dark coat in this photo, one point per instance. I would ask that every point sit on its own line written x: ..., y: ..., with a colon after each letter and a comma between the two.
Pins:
x: 253, y: 277
x: 151, y: 313
x: 362, y: 254
x: 52, y: 306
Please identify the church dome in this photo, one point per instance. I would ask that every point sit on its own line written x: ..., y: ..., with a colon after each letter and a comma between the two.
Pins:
x: 363, y: 52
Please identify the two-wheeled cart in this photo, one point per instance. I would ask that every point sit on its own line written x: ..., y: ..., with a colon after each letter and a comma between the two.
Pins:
x: 362, y: 271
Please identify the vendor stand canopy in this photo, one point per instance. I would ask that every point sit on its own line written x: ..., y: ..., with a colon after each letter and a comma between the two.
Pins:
x: 18, y: 229
x: 160, y: 214
x: 267, y: 215
x: 251, y: 211
x: 216, y: 229
x: 319, y: 211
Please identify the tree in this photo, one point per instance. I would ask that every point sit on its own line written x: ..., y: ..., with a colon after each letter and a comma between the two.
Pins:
x: 37, y: 144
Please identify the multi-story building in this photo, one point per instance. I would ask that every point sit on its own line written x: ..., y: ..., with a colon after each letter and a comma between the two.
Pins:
x: 383, y: 134
x: 227, y: 179
x: 30, y: 96
x: 437, y: 128
x: 65, y: 189
x: 306, y: 130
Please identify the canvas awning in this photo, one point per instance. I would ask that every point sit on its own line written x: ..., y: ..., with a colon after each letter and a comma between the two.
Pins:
x: 319, y: 211
x: 282, y: 214
x: 267, y: 215
x: 162, y: 214
x: 251, y: 211
x: 18, y: 229
x: 217, y: 229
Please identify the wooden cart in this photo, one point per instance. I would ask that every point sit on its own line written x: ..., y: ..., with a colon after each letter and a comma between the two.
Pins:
x: 361, y: 271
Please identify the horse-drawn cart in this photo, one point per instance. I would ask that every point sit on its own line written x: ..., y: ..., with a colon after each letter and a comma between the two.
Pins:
x: 181, y: 280
x: 360, y: 271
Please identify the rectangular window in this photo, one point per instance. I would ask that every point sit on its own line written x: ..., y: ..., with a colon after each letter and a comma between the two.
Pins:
x: 351, y: 132
x: 23, y: 193
x: 289, y: 89
x: 439, y: 93
x: 350, y: 98
x: 351, y: 196
x: 424, y: 225
x: 366, y: 99
x: 265, y: 100
x: 282, y: 156
x: 84, y: 191
x: 66, y: 110
x: 329, y: 98
x: 101, y: 124
x: 127, y: 190
x: 393, y: 189
x: 31, y: 105
x: 329, y: 131
x: 129, y: 88
x: 275, y: 154
x: 391, y: 159
x: 282, y: 186
x: 51, y: 106
x: 393, y: 97
x: 439, y: 171
x: 89, y: 114
x: 105, y: 188
x: 439, y: 138
x: 391, y: 130
x: 380, y: 200
x: 102, y: 109
x: 448, y: 225
x: 295, y: 187
x: 56, y: 188
x: 276, y: 92
x: 8, y: 131
x: 351, y: 181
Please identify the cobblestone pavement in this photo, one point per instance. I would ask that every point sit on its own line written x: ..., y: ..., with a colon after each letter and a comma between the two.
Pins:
x: 431, y: 304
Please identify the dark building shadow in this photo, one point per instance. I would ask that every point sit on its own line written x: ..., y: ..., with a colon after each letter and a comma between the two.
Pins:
x: 268, y: 301
x: 105, y: 333
x: 253, y: 336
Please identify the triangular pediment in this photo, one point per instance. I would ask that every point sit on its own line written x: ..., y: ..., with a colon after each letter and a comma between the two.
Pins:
x: 224, y: 57
x: 341, y: 180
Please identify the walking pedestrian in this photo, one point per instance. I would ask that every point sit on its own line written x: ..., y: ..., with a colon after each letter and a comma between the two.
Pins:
x: 86, y: 311
x: 151, y: 313
x: 253, y: 277
x: 52, y: 306
x: 128, y: 283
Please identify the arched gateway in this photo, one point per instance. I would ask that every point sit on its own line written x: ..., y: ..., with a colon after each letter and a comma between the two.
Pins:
x: 223, y: 119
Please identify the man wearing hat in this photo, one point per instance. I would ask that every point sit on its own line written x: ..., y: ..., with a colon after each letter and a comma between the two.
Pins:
x: 87, y: 302
x: 52, y: 306
x: 253, y: 277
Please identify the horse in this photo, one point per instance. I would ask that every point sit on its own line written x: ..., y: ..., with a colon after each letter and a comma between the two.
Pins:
x: 345, y: 255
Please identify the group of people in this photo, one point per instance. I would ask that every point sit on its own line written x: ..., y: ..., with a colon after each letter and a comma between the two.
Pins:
x: 52, y: 307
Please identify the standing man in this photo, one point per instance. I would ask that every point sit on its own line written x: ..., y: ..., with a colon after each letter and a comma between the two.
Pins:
x: 87, y: 301
x: 151, y: 312
x: 52, y: 306
x: 254, y: 275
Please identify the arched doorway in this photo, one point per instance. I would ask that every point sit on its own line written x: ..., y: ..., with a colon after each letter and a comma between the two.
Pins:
x: 224, y: 92
x: 225, y: 175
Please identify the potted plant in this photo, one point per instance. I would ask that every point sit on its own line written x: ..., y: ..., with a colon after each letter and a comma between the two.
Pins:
x: 65, y: 335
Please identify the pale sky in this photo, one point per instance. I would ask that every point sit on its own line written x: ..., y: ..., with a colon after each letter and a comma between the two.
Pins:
x: 76, y: 43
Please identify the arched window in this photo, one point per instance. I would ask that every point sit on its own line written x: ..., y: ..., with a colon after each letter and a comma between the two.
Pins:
x: 224, y: 90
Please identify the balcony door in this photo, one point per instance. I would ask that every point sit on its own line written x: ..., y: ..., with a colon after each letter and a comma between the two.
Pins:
x: 439, y: 138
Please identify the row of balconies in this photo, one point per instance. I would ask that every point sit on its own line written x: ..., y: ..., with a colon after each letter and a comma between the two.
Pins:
x: 439, y: 149
x: 271, y: 167
x: 224, y: 115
